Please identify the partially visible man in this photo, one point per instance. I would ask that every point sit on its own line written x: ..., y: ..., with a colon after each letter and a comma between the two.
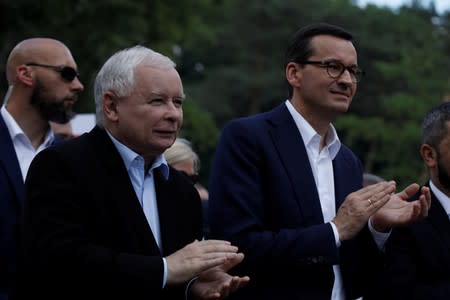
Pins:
x: 289, y: 194
x: 418, y: 255
x: 117, y: 222
x: 43, y: 86
x: 64, y: 130
x: 182, y: 157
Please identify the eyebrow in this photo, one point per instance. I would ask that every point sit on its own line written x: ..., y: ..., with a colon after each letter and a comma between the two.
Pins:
x: 165, y: 96
x: 339, y: 61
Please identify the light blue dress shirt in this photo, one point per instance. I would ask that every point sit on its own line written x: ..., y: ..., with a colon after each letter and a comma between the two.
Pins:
x: 144, y: 186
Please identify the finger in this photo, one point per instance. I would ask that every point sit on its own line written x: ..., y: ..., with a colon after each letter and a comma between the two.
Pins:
x: 424, y: 206
x: 215, y: 246
x: 214, y: 296
x: 376, y: 203
x: 235, y: 283
x: 426, y: 192
x: 416, y: 212
x: 232, y: 261
x: 409, y: 191
x: 211, y: 263
x: 238, y: 282
x: 225, y: 289
x: 213, y: 255
x: 376, y: 192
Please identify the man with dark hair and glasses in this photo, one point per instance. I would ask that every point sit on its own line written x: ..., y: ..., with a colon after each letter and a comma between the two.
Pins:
x: 290, y: 195
x: 43, y: 86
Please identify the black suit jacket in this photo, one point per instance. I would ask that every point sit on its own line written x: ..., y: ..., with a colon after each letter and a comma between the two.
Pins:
x: 85, y: 235
x: 11, y: 205
x: 11, y: 202
x: 263, y: 198
x: 418, y: 258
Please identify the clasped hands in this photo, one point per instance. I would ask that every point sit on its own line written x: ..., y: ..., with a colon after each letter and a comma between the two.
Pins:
x: 386, y: 209
x: 209, y: 260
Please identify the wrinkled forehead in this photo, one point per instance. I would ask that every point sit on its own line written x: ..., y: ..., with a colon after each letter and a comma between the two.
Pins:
x: 157, y: 80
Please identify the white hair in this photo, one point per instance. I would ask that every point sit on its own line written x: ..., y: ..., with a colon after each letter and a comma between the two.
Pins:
x: 117, y: 74
x: 181, y: 151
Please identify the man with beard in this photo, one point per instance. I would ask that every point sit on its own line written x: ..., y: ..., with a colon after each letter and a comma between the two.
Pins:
x: 418, y: 256
x: 43, y: 86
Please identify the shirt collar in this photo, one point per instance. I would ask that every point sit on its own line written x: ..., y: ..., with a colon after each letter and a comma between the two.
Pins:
x: 129, y: 156
x: 15, y: 131
x: 310, y: 135
x: 442, y: 198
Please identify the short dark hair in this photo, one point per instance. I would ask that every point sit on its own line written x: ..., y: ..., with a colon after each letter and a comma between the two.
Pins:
x: 434, y: 126
x: 299, y: 47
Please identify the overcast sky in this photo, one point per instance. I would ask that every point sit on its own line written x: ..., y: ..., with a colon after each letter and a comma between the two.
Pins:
x: 441, y: 5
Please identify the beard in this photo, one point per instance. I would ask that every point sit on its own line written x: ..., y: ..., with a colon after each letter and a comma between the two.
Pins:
x: 51, y: 109
x: 443, y: 175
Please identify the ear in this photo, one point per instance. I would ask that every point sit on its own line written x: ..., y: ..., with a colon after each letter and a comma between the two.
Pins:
x: 429, y: 155
x: 110, y: 106
x: 25, y: 75
x: 293, y: 74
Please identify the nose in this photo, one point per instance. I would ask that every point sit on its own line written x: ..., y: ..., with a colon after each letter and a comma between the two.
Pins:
x: 346, y: 77
x: 174, y: 111
x: 76, y: 85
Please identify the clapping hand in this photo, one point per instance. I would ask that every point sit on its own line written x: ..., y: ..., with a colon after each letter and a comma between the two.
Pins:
x: 398, y: 211
x: 216, y: 283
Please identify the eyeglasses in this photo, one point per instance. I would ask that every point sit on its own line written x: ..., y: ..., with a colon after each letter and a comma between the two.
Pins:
x: 335, y: 69
x: 192, y: 177
x: 67, y: 73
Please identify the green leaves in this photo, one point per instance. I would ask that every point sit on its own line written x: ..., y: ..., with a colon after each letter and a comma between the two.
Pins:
x: 230, y: 57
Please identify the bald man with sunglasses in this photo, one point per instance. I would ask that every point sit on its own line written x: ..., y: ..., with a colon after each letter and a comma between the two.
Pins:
x: 43, y: 86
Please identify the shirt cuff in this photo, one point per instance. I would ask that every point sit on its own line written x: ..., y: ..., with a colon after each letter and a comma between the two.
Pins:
x: 165, y: 273
x: 336, y: 234
x: 380, y: 238
x: 188, y: 286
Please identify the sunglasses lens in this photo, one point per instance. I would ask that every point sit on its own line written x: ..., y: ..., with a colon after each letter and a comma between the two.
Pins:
x: 68, y: 73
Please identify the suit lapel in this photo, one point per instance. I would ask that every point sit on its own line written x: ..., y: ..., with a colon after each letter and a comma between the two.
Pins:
x: 166, y: 208
x: 293, y: 157
x: 439, y: 220
x: 8, y: 159
x: 342, y: 183
x: 122, y: 191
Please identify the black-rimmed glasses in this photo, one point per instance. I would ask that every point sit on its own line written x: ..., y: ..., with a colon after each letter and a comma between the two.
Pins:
x: 335, y: 69
x: 67, y: 73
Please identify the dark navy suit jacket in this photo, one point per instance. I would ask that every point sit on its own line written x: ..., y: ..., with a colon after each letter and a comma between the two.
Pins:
x: 11, y: 203
x: 264, y: 199
x: 418, y: 258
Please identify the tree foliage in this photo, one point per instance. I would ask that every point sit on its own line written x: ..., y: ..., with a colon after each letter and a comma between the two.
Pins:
x: 230, y: 56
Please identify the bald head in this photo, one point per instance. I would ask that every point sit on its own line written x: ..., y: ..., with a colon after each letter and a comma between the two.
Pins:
x: 41, y: 50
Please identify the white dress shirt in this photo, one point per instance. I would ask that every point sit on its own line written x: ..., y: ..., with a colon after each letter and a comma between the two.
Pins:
x: 22, y: 145
x: 321, y: 162
x: 442, y: 198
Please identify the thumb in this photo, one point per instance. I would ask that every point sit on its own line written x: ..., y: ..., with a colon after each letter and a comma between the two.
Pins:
x: 409, y: 191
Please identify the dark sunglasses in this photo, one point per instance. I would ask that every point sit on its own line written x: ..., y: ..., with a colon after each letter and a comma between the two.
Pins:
x: 192, y: 178
x: 67, y: 73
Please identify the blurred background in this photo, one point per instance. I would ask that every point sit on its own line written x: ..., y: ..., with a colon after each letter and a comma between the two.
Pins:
x: 230, y: 56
